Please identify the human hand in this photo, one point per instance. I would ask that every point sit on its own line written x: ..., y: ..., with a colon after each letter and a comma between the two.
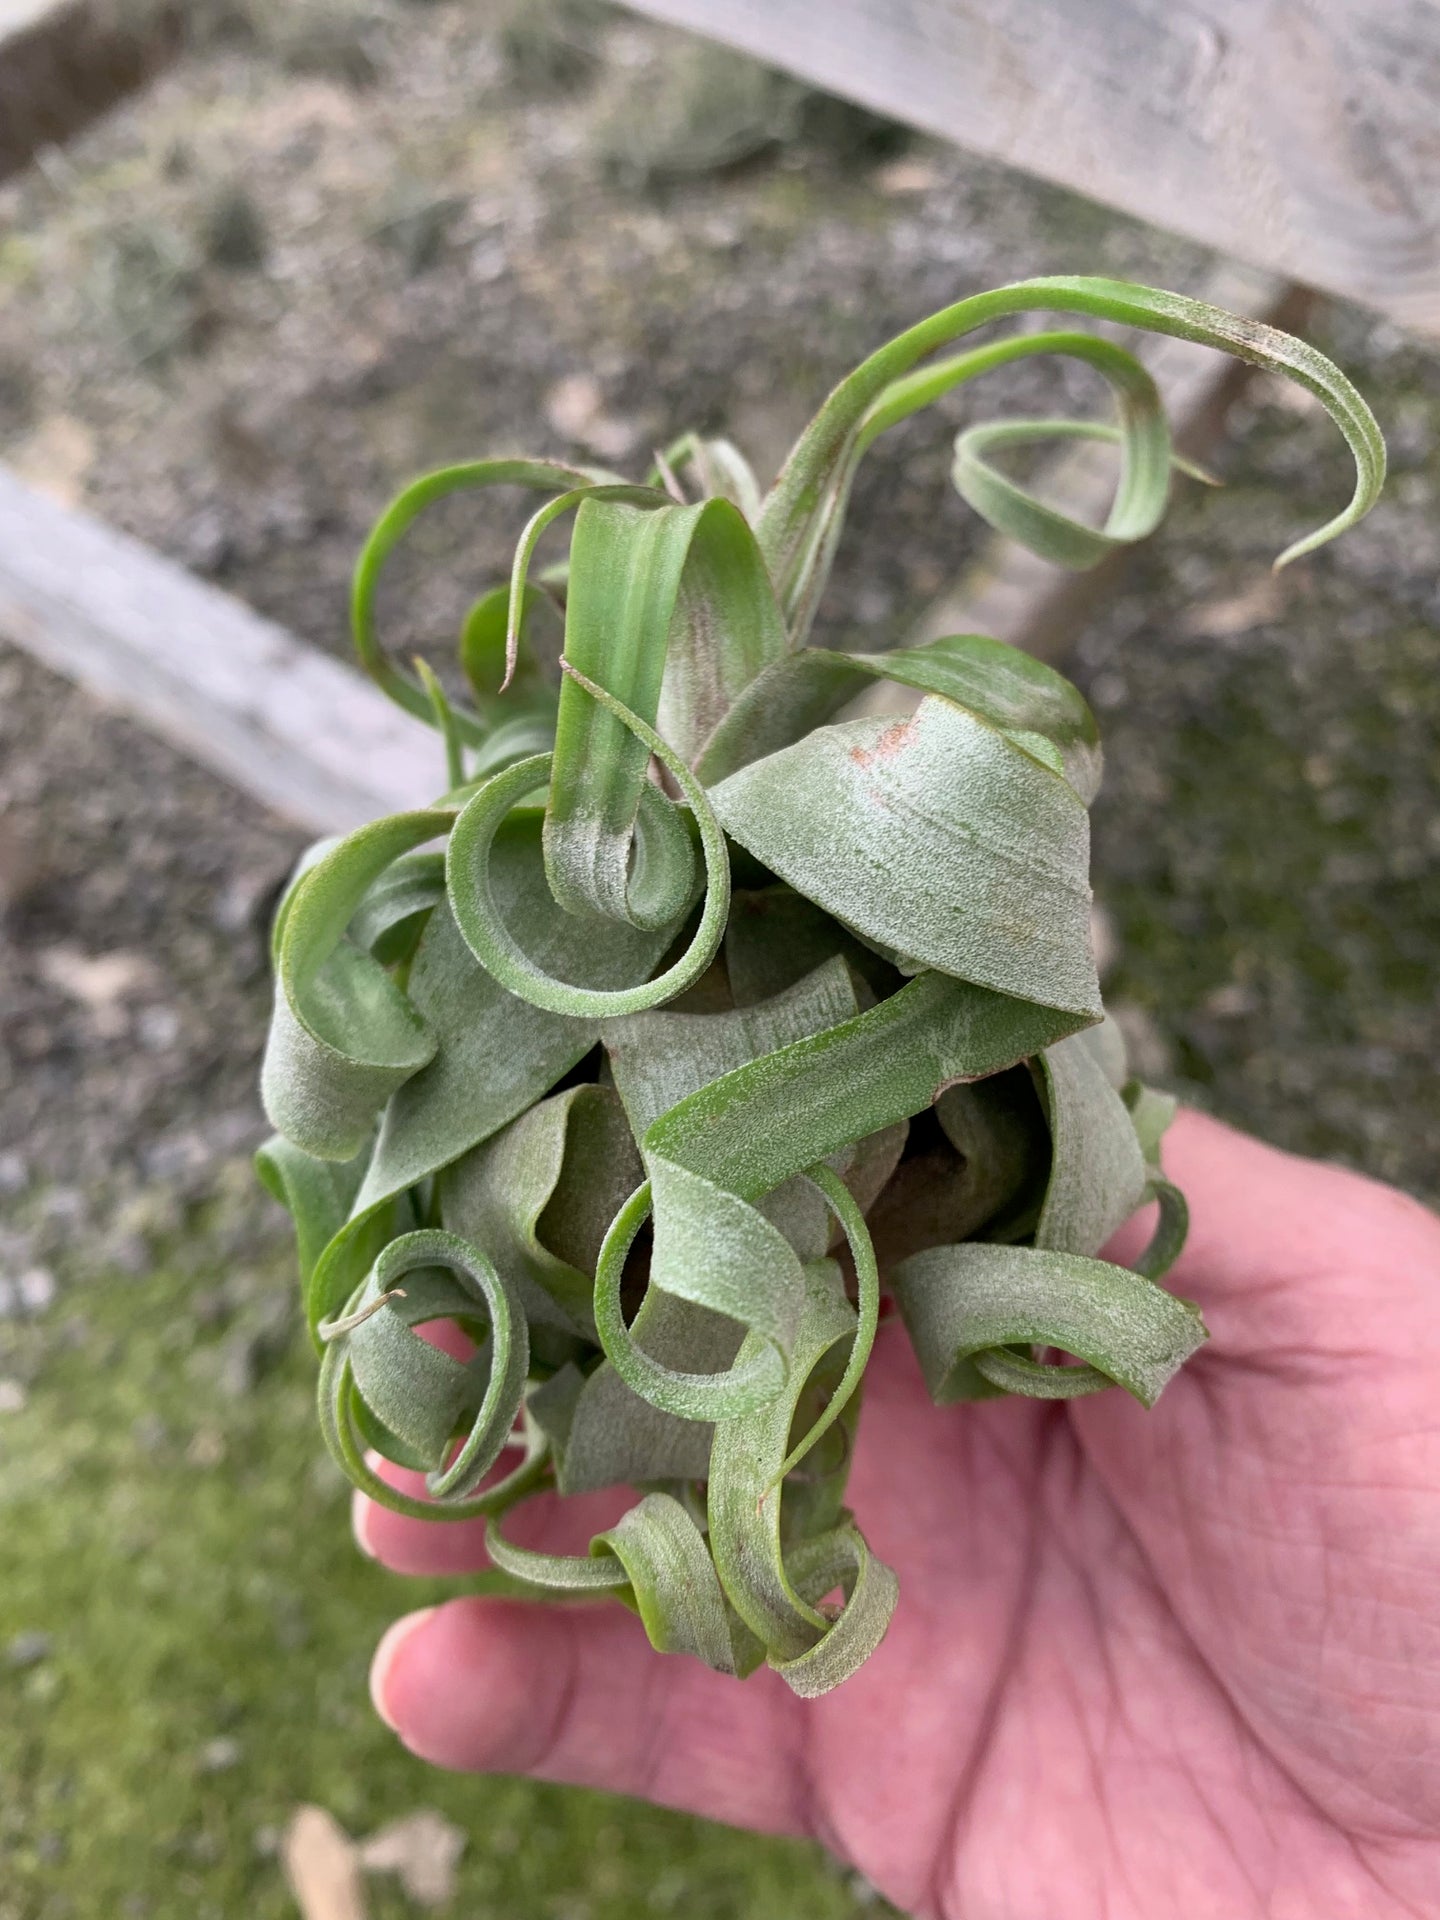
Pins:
x: 1184, y: 1662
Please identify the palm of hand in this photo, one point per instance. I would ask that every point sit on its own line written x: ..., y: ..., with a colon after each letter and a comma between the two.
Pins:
x: 1184, y: 1662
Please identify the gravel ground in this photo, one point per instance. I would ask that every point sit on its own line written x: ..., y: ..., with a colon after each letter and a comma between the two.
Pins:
x: 243, y: 310
x: 339, y: 243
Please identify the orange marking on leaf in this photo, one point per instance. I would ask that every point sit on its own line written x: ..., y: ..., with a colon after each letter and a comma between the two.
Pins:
x: 887, y: 746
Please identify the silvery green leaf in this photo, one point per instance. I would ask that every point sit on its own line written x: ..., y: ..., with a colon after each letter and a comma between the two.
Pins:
x: 990, y: 886
x: 1097, y: 1171
x: 537, y: 1198
x: 966, y: 1306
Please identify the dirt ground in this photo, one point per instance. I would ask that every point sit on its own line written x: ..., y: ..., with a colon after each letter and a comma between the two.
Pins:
x: 349, y: 239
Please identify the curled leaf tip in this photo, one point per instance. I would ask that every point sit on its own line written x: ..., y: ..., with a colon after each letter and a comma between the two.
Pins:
x: 347, y: 1323
x: 667, y: 475
x: 1197, y: 470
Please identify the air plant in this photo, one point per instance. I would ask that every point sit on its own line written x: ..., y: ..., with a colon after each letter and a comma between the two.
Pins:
x: 693, y: 1006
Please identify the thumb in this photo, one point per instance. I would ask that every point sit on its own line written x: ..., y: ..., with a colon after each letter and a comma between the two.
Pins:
x: 577, y: 1694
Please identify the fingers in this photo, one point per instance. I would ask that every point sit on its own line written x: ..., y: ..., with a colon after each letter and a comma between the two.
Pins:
x: 407, y: 1545
x: 438, y: 1548
x: 1287, y: 1255
x: 1321, y: 1291
x: 1286, y: 1489
x: 576, y: 1694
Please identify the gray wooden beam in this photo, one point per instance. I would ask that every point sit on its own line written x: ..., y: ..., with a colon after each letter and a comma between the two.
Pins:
x: 1298, y: 135
x: 62, y: 62
x: 305, y: 734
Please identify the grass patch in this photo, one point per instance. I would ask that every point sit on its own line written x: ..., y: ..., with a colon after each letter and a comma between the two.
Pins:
x: 184, y: 1634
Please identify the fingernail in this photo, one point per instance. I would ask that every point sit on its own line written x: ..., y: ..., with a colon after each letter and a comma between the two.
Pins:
x: 361, y: 1507
x: 391, y: 1641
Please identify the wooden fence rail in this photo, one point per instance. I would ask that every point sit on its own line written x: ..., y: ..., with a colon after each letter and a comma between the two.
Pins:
x: 276, y: 717
x: 64, y: 61
x: 1302, y: 136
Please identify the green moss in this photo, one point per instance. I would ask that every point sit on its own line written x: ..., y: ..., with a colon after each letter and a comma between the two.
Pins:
x: 185, y: 1553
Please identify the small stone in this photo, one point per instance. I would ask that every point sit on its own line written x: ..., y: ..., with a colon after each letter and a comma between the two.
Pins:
x: 574, y: 409
x: 13, y: 1397
x: 908, y: 174
x: 14, y: 1174
x: 28, y: 1649
x: 722, y: 231
x: 204, y: 540
x: 35, y: 1290
x: 158, y: 1028
x: 489, y: 261
x: 207, y: 1449
x: 1109, y: 691
x: 101, y: 983
x: 176, y: 1158
x: 64, y: 1205
x: 218, y: 1756
x: 1232, y: 1001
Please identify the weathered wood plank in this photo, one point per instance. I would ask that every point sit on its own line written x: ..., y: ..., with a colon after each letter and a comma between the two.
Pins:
x: 1300, y: 135
x: 64, y: 61
x: 302, y: 732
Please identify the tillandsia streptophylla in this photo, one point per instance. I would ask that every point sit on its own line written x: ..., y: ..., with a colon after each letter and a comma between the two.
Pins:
x: 693, y: 1005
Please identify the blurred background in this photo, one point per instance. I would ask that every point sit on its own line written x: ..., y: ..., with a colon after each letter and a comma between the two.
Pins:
x: 330, y: 243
